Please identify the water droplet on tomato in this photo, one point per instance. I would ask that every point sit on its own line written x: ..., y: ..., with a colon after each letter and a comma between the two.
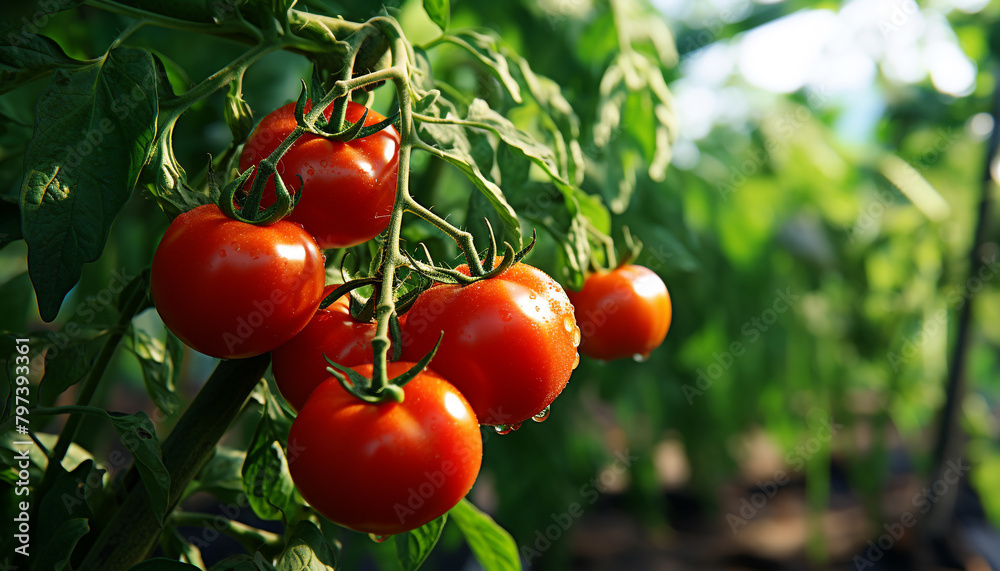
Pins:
x: 222, y: 253
x: 532, y: 295
x: 502, y: 429
x: 311, y: 171
x: 568, y: 324
x: 378, y: 538
x: 542, y: 415
x: 322, y: 163
x: 506, y: 315
x: 576, y: 360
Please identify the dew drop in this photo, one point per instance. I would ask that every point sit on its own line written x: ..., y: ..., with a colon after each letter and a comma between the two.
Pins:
x: 576, y: 336
x: 506, y: 315
x: 378, y: 538
x: 322, y: 163
x: 640, y: 357
x: 222, y: 253
x: 532, y: 295
x: 502, y: 429
x: 537, y: 308
x: 568, y: 324
x: 542, y: 415
x: 576, y: 360
x: 311, y: 171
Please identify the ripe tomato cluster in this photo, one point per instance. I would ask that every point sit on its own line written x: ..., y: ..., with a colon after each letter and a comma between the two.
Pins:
x: 508, y: 343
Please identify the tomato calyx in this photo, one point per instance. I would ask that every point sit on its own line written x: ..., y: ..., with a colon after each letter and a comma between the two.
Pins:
x: 371, y: 391
x: 346, y: 130
x: 491, y: 267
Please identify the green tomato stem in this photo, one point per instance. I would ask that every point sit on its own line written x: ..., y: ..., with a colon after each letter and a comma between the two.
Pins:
x: 131, y: 533
x: 68, y: 433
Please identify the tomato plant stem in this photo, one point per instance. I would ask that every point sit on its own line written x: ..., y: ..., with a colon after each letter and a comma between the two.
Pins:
x: 131, y: 534
x: 137, y: 295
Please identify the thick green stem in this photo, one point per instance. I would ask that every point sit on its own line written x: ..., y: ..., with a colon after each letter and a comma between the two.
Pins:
x: 251, y: 538
x: 132, y: 532
x: 93, y: 380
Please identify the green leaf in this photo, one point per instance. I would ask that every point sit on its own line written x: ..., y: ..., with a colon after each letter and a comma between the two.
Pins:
x: 139, y: 436
x: 266, y: 480
x: 484, y: 47
x: 439, y: 12
x: 452, y: 145
x: 222, y: 475
x: 162, y: 564
x: 493, y: 547
x: 160, y: 362
x: 21, y: 19
x: 307, y: 550
x: 68, y: 359
x: 60, y: 545
x: 93, y: 131
x: 26, y: 57
x: 62, y: 516
x: 413, y: 547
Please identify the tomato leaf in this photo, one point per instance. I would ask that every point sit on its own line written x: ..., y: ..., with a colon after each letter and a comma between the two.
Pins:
x: 413, y: 547
x: 493, y: 547
x: 62, y: 516
x: 139, y: 436
x: 222, y: 475
x: 439, y: 12
x: 266, y: 480
x: 307, y: 550
x: 453, y: 145
x: 160, y: 362
x: 29, y: 56
x: 67, y: 361
x: 162, y: 564
x: 22, y: 19
x: 93, y: 131
x: 485, y: 48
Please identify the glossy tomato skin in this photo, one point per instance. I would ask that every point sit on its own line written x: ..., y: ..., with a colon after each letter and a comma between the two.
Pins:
x: 299, y: 366
x: 390, y: 467
x: 350, y: 187
x: 622, y: 313
x: 234, y: 290
x: 509, y: 342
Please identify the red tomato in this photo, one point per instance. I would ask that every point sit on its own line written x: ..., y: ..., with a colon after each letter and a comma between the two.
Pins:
x: 622, y: 313
x: 299, y: 366
x: 233, y: 290
x: 390, y: 467
x: 509, y: 342
x: 350, y: 187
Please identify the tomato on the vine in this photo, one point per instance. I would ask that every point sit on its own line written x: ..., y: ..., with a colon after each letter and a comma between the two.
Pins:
x: 232, y: 290
x: 390, y: 467
x: 624, y: 312
x: 349, y: 188
x: 509, y: 342
x: 299, y: 366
